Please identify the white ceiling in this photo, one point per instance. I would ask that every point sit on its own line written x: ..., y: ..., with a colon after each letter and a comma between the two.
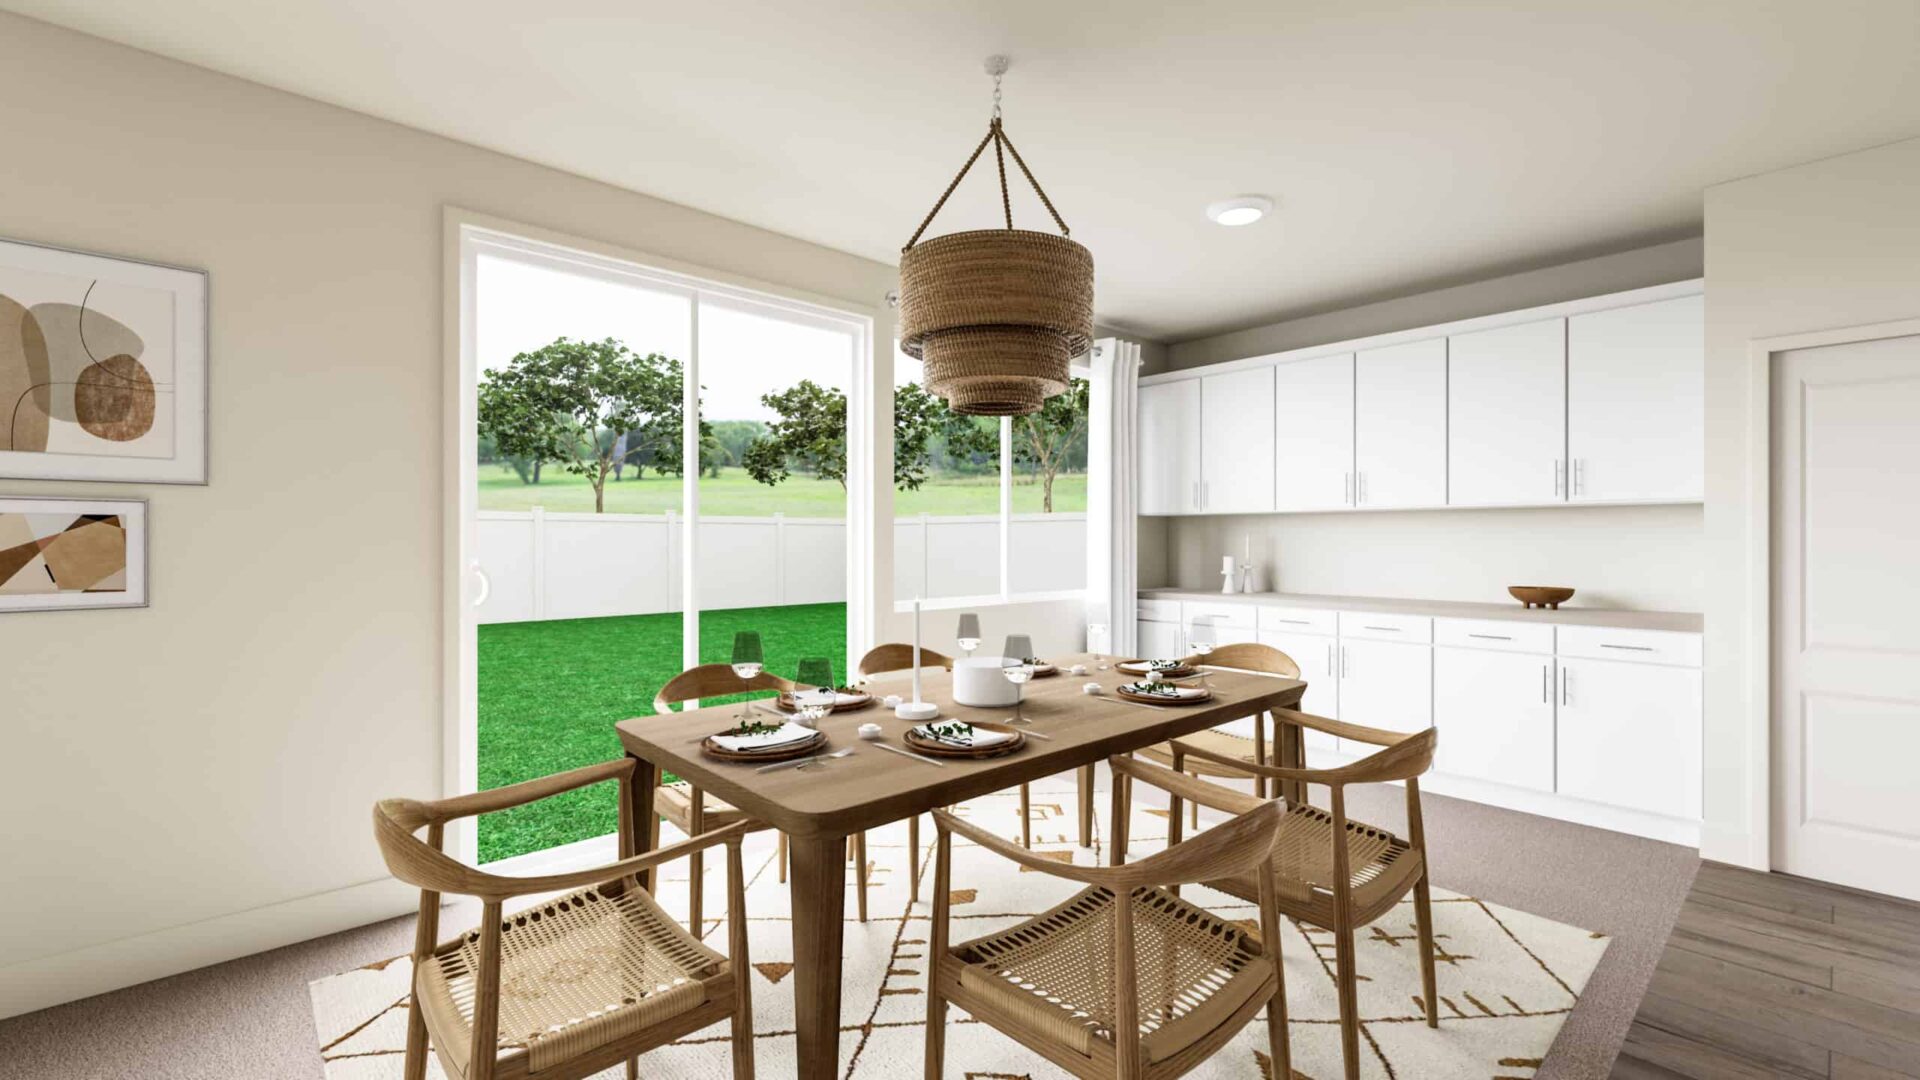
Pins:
x: 1409, y: 145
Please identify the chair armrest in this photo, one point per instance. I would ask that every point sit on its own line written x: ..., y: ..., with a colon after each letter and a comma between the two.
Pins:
x: 1182, y: 751
x: 1212, y: 796
x: 1113, y: 877
x: 423, y: 866
x: 1357, y: 733
x: 413, y: 813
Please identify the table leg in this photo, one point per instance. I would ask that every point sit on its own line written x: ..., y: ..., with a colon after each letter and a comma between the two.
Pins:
x: 640, y: 814
x: 819, y: 906
x: 1085, y: 782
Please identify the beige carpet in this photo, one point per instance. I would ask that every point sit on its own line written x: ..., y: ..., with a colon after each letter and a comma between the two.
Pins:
x: 1507, y: 980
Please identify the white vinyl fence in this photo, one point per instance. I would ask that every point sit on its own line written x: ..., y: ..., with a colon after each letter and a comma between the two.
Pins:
x: 542, y: 565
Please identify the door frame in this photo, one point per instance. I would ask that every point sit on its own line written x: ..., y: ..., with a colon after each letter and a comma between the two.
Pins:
x: 460, y: 470
x: 1754, y: 765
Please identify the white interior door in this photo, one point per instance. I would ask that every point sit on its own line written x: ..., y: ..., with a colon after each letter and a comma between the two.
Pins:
x: 1170, y: 447
x: 1507, y: 415
x: 1313, y: 440
x: 1236, y: 442
x: 1400, y: 425
x: 1846, y: 637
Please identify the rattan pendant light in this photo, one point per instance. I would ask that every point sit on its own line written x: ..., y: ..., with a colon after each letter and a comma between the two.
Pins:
x: 996, y: 315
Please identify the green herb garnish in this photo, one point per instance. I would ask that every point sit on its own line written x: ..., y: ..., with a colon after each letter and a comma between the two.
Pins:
x: 956, y: 731
x: 753, y: 727
x: 1156, y: 689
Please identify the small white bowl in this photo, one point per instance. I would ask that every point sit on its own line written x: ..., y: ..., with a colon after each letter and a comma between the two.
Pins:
x: 870, y: 732
x: 1093, y: 689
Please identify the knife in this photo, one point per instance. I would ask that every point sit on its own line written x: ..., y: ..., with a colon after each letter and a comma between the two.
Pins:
x: 911, y: 754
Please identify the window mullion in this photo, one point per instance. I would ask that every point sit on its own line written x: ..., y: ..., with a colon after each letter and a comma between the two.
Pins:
x: 1006, y: 508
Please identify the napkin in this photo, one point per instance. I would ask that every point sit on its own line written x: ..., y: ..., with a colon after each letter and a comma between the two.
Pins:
x: 1150, y: 690
x: 786, y: 733
x: 982, y: 737
x: 1153, y: 665
x: 817, y: 697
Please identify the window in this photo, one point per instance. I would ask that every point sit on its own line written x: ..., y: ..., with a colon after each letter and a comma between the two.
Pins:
x: 987, y: 509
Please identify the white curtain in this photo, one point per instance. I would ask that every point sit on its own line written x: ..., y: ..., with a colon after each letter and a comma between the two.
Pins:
x: 1112, y: 465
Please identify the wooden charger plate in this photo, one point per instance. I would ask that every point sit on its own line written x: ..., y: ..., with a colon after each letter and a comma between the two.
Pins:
x: 783, y: 753
x: 1041, y: 671
x: 939, y: 749
x: 1139, y: 667
x: 786, y: 703
x: 1160, y: 699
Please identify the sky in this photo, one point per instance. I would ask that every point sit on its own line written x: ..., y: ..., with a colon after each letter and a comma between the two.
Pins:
x: 743, y: 354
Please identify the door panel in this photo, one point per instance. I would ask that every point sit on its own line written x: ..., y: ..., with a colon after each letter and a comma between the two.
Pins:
x: 1629, y: 735
x: 1315, y: 655
x: 1400, y: 425
x: 1236, y: 442
x: 1507, y: 415
x: 1846, y: 665
x: 1313, y: 446
x: 1384, y: 684
x: 1170, y: 448
x: 1636, y: 402
x: 1495, y: 711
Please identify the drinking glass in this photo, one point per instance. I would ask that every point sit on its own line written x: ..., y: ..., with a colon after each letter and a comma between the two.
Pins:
x: 1019, y: 673
x: 968, y: 636
x: 748, y: 661
x: 815, y: 671
x: 1097, y: 633
x: 1019, y: 647
x: 1201, y: 638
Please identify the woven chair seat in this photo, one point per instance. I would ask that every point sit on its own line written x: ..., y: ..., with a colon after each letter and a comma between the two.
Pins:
x: 1053, y: 974
x: 1212, y: 740
x: 575, y: 973
x: 1379, y: 866
x: 675, y: 803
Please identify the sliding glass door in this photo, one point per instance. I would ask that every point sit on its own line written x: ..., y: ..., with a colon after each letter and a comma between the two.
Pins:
x: 610, y: 544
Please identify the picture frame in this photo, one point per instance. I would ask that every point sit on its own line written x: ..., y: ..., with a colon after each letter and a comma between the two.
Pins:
x: 103, y: 367
x: 70, y: 554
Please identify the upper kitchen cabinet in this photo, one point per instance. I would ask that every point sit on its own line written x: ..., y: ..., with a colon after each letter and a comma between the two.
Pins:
x: 1400, y: 425
x: 1170, y: 448
x: 1506, y: 415
x: 1636, y: 403
x: 1313, y: 443
x: 1236, y: 442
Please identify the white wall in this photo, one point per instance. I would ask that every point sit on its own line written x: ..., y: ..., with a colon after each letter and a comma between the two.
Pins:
x: 220, y: 750
x: 1646, y: 557
x: 1829, y: 244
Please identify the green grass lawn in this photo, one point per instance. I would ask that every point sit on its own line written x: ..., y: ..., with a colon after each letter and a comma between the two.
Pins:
x: 550, y: 693
x: 735, y: 494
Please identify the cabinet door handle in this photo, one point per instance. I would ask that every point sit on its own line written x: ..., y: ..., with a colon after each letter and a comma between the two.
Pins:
x: 1203, y: 494
x: 1196, y: 494
x: 1556, y: 478
x: 1629, y: 648
x: 1343, y: 661
x: 1544, y: 698
x: 1346, y: 489
x: 1579, y: 476
x: 1360, y: 484
x: 1329, y: 658
x: 1486, y: 637
x: 1566, y: 687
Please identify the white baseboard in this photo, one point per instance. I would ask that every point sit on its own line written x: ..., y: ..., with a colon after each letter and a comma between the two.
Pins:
x: 95, y: 969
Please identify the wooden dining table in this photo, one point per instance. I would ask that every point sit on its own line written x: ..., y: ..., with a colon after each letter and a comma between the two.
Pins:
x: 819, y: 807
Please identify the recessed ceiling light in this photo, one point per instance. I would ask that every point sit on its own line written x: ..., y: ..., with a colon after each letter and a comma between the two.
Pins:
x: 1243, y: 210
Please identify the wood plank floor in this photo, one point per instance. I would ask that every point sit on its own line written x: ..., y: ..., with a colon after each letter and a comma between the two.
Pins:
x: 1767, y: 975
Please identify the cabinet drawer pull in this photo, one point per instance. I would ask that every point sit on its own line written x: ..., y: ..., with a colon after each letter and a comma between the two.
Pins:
x: 1389, y: 629
x: 1296, y: 622
x: 1629, y: 648
x: 1491, y: 637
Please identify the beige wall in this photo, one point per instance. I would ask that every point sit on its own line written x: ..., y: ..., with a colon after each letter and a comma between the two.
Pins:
x: 1679, y: 260
x: 1826, y: 245
x: 1645, y: 557
x: 219, y: 751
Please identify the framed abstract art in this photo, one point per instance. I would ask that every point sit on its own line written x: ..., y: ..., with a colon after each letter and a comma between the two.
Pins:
x: 103, y: 368
x: 60, y: 554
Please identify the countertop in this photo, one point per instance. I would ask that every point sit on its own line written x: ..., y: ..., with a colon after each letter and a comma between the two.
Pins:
x: 1679, y: 621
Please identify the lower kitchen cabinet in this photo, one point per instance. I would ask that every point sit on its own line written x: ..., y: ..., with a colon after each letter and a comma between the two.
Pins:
x: 1495, y: 715
x: 1630, y: 735
x: 1161, y: 640
x: 1315, y: 655
x: 1384, y: 684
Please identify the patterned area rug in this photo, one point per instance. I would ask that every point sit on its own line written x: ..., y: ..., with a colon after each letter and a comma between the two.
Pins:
x: 1507, y: 979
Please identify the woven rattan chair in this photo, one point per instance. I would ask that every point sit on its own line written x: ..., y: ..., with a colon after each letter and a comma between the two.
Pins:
x: 1332, y: 871
x: 576, y: 984
x: 1219, y: 743
x: 1145, y: 987
x: 686, y: 807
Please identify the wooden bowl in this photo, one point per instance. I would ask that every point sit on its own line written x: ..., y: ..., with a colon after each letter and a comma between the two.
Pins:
x: 1546, y: 596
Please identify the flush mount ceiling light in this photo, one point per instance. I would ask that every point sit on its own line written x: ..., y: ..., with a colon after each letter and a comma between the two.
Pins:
x: 1241, y: 210
x: 996, y: 315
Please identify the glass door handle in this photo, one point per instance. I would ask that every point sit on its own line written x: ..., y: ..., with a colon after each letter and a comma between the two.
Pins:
x: 485, y: 583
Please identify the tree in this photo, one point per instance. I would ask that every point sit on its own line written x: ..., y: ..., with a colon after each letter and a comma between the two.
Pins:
x: 569, y: 402
x: 1048, y: 439
x: 811, y: 435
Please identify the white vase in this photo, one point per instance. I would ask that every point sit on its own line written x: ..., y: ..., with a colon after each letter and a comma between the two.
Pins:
x: 977, y: 681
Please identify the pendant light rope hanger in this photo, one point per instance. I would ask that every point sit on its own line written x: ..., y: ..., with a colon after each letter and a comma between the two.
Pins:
x: 996, y: 315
